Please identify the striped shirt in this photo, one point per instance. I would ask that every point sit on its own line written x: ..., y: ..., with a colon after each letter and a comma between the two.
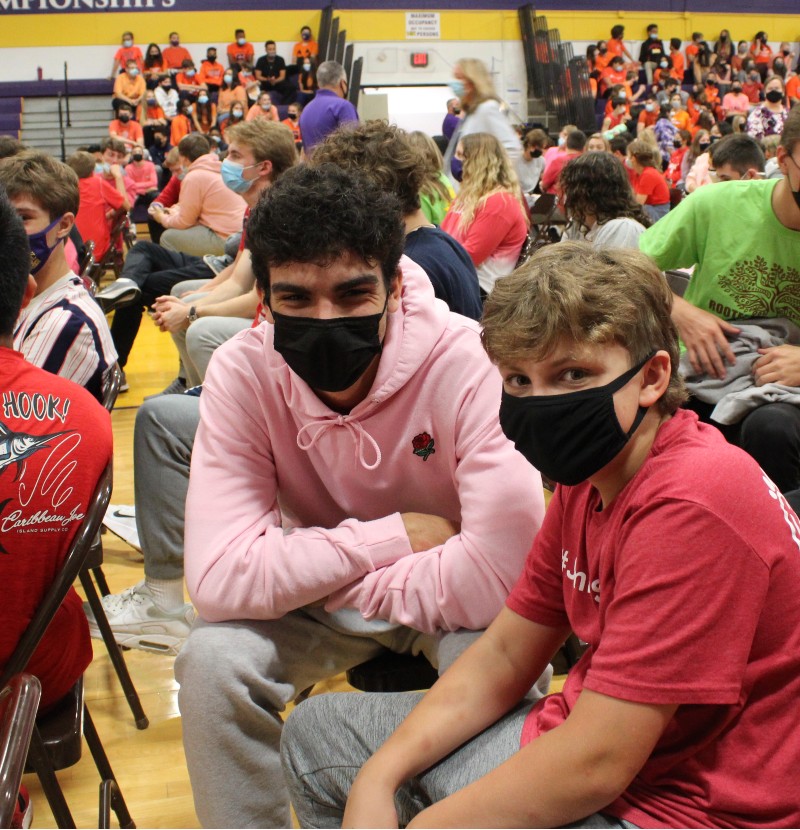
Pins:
x: 64, y: 331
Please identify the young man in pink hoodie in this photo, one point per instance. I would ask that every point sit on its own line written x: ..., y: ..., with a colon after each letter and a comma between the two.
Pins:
x: 351, y: 490
x: 207, y: 212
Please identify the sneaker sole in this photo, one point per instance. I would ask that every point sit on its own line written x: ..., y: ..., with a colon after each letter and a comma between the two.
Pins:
x: 154, y: 643
x: 127, y: 297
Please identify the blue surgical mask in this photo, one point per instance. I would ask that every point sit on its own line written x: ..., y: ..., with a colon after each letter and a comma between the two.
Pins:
x: 457, y: 88
x: 306, y: 67
x: 133, y: 72
x: 40, y: 250
x: 233, y: 176
x: 202, y: 99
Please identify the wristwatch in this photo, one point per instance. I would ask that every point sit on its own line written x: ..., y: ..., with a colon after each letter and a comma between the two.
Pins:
x: 192, y: 315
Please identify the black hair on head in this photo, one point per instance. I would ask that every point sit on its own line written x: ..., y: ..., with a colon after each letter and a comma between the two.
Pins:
x: 318, y: 214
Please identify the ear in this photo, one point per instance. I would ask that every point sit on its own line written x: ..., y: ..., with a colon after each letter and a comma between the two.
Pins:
x: 65, y: 225
x: 656, y: 377
x: 265, y: 169
x: 395, y: 291
x: 30, y: 291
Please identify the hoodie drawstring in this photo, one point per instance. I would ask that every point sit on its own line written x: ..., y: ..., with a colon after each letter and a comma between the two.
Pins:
x: 358, y: 432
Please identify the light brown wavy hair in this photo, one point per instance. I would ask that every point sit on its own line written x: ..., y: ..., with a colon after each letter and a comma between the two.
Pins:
x: 571, y: 290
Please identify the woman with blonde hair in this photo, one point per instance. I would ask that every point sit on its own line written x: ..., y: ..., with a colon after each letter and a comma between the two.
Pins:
x: 489, y: 216
x: 436, y: 193
x: 473, y: 86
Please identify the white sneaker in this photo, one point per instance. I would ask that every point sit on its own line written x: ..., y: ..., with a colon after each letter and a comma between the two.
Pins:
x: 121, y: 292
x: 137, y: 622
x: 120, y: 519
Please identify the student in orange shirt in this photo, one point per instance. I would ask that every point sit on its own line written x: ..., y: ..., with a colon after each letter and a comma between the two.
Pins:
x: 678, y: 114
x: 182, y: 123
x: 126, y: 52
x: 793, y: 90
x: 240, y: 51
x: 230, y: 93
x: 187, y: 81
x: 678, y: 61
x: 615, y: 45
x: 129, y: 87
x: 154, y: 65
x: 292, y: 121
x: 306, y: 47
x: 175, y: 54
x: 205, y: 113
x: 649, y: 114
x: 604, y: 57
x: 613, y: 74
x: 128, y: 131
x: 211, y: 73
x: 263, y: 109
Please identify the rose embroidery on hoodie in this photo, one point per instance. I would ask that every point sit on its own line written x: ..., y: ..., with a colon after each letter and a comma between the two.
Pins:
x: 423, y: 445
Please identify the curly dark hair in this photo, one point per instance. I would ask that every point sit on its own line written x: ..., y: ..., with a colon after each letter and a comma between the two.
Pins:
x: 381, y: 151
x: 15, y: 264
x: 320, y: 213
x: 596, y: 184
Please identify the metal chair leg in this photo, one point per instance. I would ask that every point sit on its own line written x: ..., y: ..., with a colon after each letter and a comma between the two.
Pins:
x: 100, y: 579
x: 114, y: 652
x: 39, y: 759
x: 104, y: 768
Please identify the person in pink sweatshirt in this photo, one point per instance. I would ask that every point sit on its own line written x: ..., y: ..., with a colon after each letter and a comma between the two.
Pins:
x: 351, y: 489
x: 207, y: 212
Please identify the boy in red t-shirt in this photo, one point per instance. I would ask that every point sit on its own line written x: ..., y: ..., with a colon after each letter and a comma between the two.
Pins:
x: 101, y: 203
x: 55, y: 441
x: 665, y: 549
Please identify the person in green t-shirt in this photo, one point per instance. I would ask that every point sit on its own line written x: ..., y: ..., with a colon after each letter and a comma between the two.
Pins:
x: 743, y: 239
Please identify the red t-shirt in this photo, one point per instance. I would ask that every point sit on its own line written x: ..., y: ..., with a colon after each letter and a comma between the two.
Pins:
x: 653, y: 184
x: 685, y: 588
x: 97, y: 197
x: 55, y: 441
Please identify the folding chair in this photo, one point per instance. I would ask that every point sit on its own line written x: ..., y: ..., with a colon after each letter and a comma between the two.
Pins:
x: 123, y: 235
x: 545, y: 217
x: 55, y: 742
x: 19, y: 701
x: 94, y: 568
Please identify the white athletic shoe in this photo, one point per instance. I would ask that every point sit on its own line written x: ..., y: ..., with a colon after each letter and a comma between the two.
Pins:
x: 120, y: 519
x: 121, y: 292
x: 137, y: 622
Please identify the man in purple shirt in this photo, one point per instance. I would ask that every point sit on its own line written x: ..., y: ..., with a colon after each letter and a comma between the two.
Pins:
x: 452, y: 118
x: 329, y: 109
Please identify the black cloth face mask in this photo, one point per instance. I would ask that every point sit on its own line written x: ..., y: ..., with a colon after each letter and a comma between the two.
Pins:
x: 569, y: 437
x: 329, y: 355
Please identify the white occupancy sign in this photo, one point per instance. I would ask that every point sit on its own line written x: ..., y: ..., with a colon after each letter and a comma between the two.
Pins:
x: 423, y: 26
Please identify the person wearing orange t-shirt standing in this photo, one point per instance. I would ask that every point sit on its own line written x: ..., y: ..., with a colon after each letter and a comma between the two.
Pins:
x: 126, y: 52
x: 306, y: 47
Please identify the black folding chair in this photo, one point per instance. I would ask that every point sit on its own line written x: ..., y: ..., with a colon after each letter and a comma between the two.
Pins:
x: 94, y: 568
x: 55, y: 742
x: 19, y: 701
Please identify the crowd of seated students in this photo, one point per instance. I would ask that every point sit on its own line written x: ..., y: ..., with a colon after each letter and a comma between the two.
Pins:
x: 387, y: 567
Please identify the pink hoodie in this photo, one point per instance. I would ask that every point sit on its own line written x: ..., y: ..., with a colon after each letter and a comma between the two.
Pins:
x: 205, y: 200
x: 291, y: 503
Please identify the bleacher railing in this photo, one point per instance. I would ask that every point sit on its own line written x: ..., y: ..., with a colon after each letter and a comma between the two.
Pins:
x: 554, y: 74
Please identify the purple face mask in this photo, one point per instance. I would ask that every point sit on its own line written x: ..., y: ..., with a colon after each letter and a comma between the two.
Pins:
x: 40, y: 250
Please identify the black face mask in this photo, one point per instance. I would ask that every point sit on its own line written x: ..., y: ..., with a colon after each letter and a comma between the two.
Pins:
x: 569, y: 437
x: 677, y: 144
x: 124, y: 118
x: 774, y: 95
x: 137, y: 157
x: 536, y: 153
x: 795, y: 193
x: 329, y: 355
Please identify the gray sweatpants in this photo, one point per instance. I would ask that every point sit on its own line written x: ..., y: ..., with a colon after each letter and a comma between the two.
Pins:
x: 197, y: 240
x: 163, y: 438
x: 328, y: 738
x: 237, y: 677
